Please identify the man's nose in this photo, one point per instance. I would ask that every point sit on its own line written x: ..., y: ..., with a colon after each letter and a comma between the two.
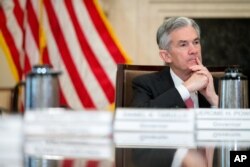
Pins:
x: 192, y: 49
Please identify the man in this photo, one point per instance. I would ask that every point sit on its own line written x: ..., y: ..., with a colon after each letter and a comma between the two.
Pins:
x: 185, y: 77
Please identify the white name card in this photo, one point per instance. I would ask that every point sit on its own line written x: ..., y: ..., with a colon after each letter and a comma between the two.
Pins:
x: 153, y: 140
x: 180, y: 127
x: 226, y: 135
x: 154, y: 120
x: 69, y: 149
x: 180, y: 115
x: 69, y: 134
x: 67, y: 123
x: 223, y: 124
x: 220, y: 125
x: 223, y: 114
x: 153, y: 128
x: 11, y: 141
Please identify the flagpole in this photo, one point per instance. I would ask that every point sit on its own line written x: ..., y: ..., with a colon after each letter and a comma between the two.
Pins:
x: 42, y: 42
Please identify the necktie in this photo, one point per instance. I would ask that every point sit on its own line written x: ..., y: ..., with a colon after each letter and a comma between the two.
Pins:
x: 189, y: 103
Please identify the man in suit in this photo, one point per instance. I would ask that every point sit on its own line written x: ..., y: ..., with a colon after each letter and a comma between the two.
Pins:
x: 183, y: 80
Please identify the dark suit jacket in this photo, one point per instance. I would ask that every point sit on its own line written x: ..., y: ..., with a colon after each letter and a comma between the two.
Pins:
x: 157, y: 90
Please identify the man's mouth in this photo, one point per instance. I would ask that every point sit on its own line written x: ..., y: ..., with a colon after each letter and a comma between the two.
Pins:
x: 193, y: 61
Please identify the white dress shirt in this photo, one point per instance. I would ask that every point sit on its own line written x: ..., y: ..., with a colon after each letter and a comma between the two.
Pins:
x: 181, y: 152
x: 183, y: 90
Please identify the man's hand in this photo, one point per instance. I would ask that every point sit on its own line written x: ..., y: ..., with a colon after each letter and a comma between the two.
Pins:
x: 202, y: 157
x: 196, y: 82
x: 194, y: 159
x: 201, y: 80
x: 208, y: 91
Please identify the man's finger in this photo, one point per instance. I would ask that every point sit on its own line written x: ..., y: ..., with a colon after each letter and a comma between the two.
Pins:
x: 198, y: 61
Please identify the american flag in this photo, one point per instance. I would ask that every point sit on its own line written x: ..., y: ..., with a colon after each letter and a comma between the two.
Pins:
x: 74, y: 37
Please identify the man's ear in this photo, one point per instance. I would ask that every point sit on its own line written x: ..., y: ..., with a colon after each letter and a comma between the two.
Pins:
x: 165, y: 56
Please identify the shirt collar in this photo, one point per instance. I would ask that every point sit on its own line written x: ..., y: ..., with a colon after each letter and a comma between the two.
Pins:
x: 177, y: 80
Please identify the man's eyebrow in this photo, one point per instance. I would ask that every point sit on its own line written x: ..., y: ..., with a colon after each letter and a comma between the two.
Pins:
x: 182, y: 41
x: 196, y: 39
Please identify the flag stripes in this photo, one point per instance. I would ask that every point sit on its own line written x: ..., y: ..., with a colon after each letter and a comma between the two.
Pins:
x: 11, y: 45
x: 92, y: 163
x: 18, y: 12
x: 85, y: 163
x: 115, y: 52
x: 7, y: 54
x: 67, y: 59
x: 31, y: 39
x: 97, y: 69
x: 33, y: 22
x: 71, y: 35
x: 98, y: 48
x: 76, y: 39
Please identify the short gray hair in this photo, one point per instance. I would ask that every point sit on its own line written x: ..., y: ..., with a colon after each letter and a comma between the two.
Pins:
x: 171, y: 24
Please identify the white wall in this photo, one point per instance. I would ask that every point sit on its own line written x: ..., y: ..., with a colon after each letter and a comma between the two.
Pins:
x: 136, y: 21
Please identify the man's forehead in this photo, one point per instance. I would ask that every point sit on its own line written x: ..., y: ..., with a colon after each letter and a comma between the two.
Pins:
x: 184, y: 33
x: 186, y: 40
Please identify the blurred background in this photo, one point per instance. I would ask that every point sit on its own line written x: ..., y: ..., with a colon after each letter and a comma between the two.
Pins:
x: 86, y: 39
x: 83, y: 41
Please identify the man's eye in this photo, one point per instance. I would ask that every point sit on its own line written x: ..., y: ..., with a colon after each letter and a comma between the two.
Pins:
x: 197, y: 42
x: 183, y: 44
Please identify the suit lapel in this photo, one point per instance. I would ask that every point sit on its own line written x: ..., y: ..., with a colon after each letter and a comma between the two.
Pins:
x: 165, y: 80
x: 203, y: 103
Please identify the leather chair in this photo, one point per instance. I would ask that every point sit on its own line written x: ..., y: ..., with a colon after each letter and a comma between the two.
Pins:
x: 125, y: 74
x: 6, y: 99
x: 10, y: 98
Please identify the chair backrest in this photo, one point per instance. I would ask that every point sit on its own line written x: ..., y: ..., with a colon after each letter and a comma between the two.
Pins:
x: 6, y: 99
x: 125, y: 74
x: 10, y: 98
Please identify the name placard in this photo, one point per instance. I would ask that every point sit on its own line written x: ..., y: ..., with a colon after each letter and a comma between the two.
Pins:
x: 223, y: 114
x: 67, y: 133
x: 181, y: 127
x: 154, y: 114
x: 11, y: 141
x: 153, y: 140
x: 60, y: 122
x: 69, y: 149
x: 153, y: 128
